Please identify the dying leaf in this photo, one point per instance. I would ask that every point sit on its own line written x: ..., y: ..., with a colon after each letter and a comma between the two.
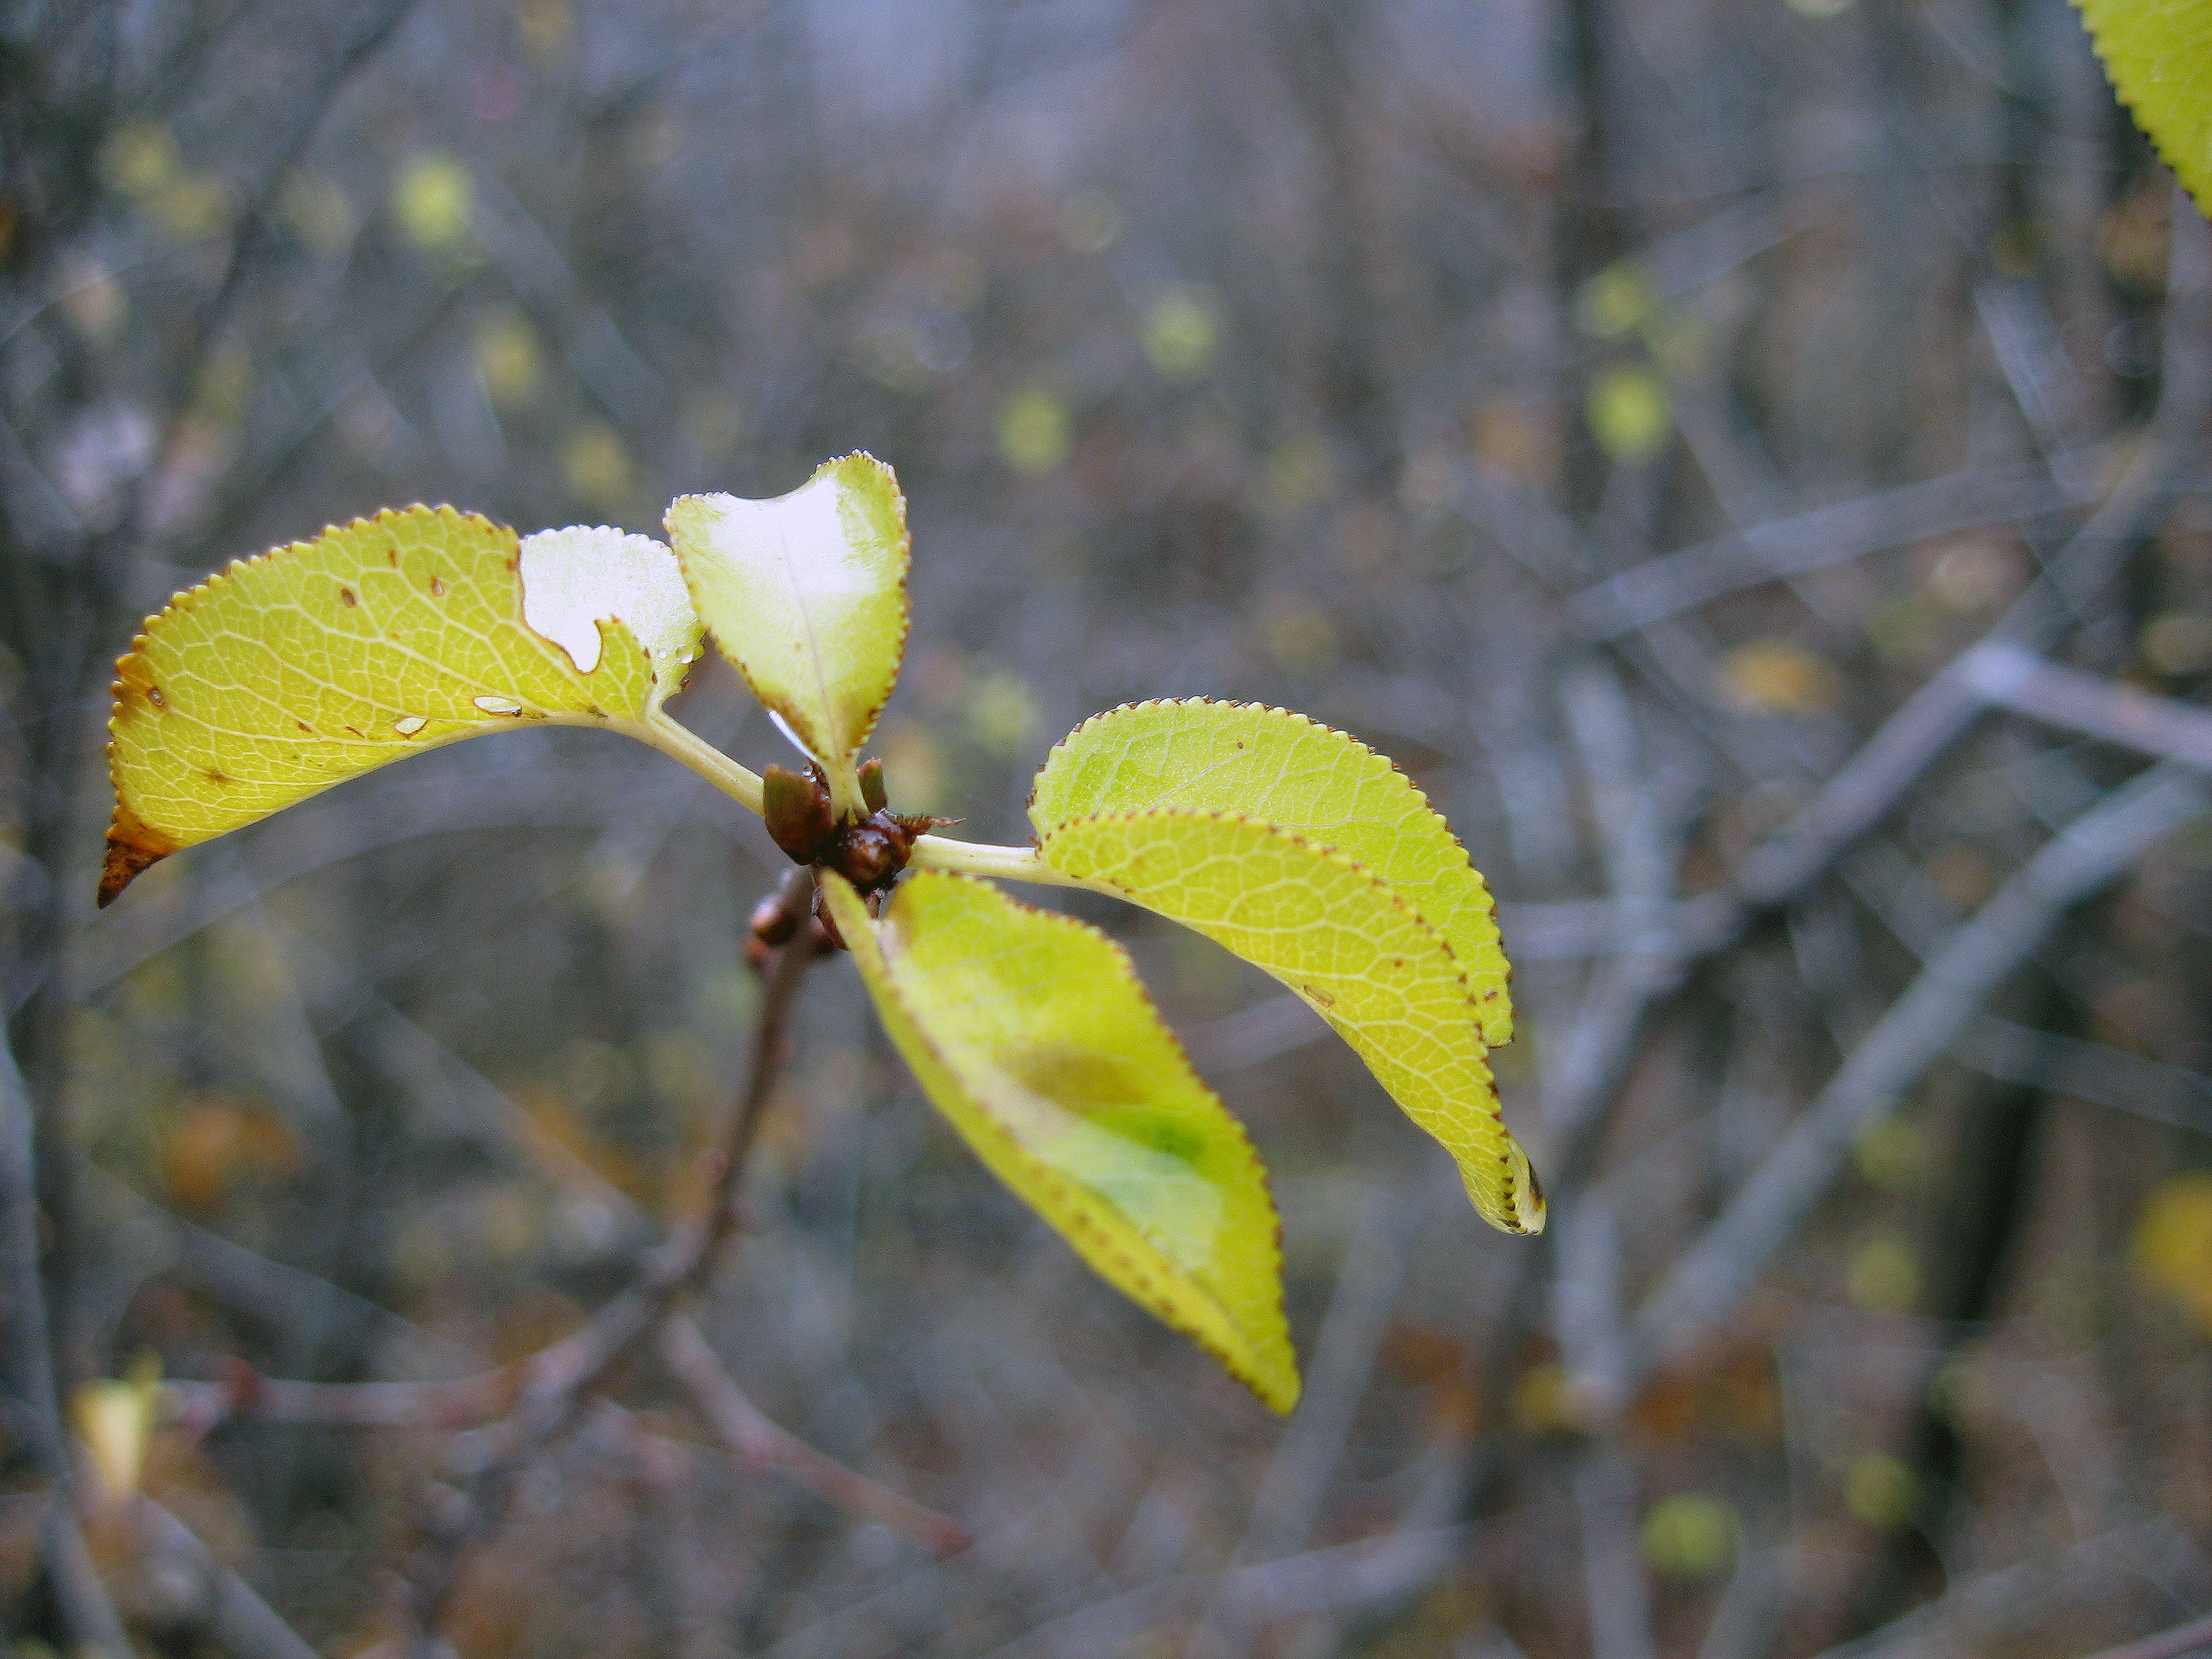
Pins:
x: 1032, y: 1036
x: 1346, y: 941
x: 2159, y: 54
x: 295, y: 671
x: 806, y: 594
x: 1288, y: 771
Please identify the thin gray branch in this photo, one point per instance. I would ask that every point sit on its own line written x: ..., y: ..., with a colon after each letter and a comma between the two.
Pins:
x: 2092, y: 852
x: 89, y: 1615
x: 2026, y: 683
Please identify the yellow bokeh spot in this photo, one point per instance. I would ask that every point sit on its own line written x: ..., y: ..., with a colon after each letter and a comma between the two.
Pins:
x: 507, y: 358
x: 1883, y: 1275
x: 138, y: 158
x: 433, y: 198
x: 2178, y: 642
x: 1691, y: 1533
x: 1892, y: 1155
x: 192, y: 206
x: 1618, y: 301
x: 1296, y: 633
x: 596, y: 465
x: 546, y: 28
x: 1033, y: 430
x: 1880, y: 1490
x: 115, y: 1420
x: 1002, y: 713
x: 1777, y: 677
x: 914, y: 767
x: 92, y: 299
x: 2172, y: 1245
x: 1629, y: 415
x: 1181, y: 331
x: 1544, y: 1399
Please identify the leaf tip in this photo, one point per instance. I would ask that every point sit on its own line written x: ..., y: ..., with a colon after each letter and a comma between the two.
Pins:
x: 133, y: 847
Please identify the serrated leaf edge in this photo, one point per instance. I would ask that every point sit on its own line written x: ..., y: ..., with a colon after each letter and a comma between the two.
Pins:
x: 1418, y: 794
x: 1495, y: 1108
x: 906, y: 602
x: 135, y: 845
x: 1044, y: 1176
x: 2195, y: 176
x: 1319, y: 848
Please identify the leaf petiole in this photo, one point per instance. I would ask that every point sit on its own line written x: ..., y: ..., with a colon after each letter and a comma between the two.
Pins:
x: 975, y: 858
x: 681, y: 743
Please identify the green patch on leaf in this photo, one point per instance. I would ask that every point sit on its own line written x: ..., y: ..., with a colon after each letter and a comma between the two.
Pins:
x: 1032, y: 1036
x: 1345, y: 940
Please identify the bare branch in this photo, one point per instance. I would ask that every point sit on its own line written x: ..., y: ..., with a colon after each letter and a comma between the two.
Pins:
x: 2021, y: 681
x: 2093, y: 851
x: 758, y: 1443
x: 86, y: 1611
x: 242, y: 1625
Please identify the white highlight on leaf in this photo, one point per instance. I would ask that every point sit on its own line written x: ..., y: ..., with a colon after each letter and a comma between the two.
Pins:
x: 574, y: 579
x: 497, y: 705
x: 797, y: 742
x: 408, y: 725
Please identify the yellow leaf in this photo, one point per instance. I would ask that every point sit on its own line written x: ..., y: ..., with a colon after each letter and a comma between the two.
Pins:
x: 806, y: 594
x: 1284, y: 770
x: 1031, y: 1033
x: 115, y: 1420
x: 2159, y: 54
x: 295, y: 671
x: 1347, y: 943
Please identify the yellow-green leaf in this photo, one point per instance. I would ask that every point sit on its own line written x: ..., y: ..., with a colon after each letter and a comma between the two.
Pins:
x: 1032, y: 1036
x: 2159, y: 54
x: 1348, y: 943
x: 806, y: 594
x: 295, y: 671
x: 1284, y: 770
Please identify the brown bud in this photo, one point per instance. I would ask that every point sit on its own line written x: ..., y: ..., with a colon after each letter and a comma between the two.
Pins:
x: 868, y: 854
x: 772, y: 922
x: 797, y: 811
x: 871, y: 784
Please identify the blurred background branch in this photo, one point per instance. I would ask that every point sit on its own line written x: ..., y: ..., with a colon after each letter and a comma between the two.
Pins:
x: 1745, y: 461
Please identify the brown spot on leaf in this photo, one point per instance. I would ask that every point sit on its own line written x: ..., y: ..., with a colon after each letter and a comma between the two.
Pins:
x: 132, y: 845
x: 346, y: 598
x: 391, y: 555
x: 216, y: 774
x: 304, y: 727
x: 154, y: 696
x: 437, y: 589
